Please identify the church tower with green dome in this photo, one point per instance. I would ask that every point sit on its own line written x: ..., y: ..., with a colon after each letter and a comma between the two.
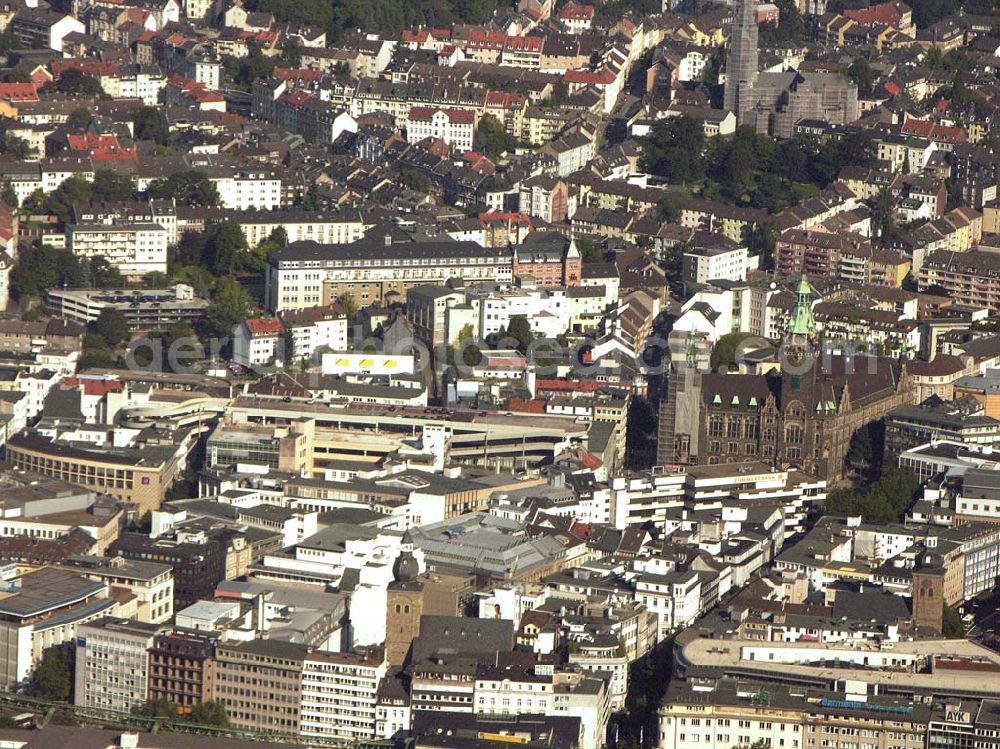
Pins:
x: 801, y: 324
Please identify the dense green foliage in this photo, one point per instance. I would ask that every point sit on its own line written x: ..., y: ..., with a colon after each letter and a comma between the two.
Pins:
x: 53, y: 678
x: 413, y: 179
x: 725, y: 350
x: 863, y: 76
x: 520, y: 330
x: 203, y: 714
x: 951, y: 623
x: 790, y: 31
x: 492, y: 140
x: 111, y: 326
x: 17, y: 148
x: 107, y: 186
x: 148, y: 124
x: 191, y: 188
x: 884, y: 502
x: 42, y: 268
x: 256, y: 65
x: 96, y: 352
x: 748, y: 169
x: 231, y: 304
x: 76, y: 82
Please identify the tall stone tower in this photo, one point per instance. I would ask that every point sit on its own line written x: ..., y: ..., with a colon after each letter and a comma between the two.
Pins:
x: 928, y: 593
x: 741, y: 62
x: 680, y: 407
x: 404, y: 606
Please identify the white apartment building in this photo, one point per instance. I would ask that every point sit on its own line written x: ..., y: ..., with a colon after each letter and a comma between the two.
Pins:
x: 339, y: 694
x: 704, y: 264
x: 137, y: 84
x: 112, y: 663
x: 245, y: 190
x: 456, y: 127
x: 314, y: 328
x: 204, y: 68
x: 316, y: 227
x: 257, y: 341
x: 548, y: 311
x: 135, y: 249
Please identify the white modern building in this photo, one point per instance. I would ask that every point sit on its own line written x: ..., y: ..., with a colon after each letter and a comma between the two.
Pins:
x: 134, y: 249
x: 339, y: 694
x: 112, y: 663
x: 456, y: 127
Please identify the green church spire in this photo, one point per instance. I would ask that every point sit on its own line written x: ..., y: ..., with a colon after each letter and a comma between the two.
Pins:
x: 801, y: 322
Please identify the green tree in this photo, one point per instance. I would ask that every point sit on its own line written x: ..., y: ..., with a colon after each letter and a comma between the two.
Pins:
x: 884, y: 502
x: 884, y: 217
x: 148, y: 124
x: 468, y: 348
x: 158, y: 708
x: 520, y: 330
x: 155, y: 280
x: 225, y: 247
x: 863, y: 76
x: 43, y: 267
x: 9, y: 196
x: 278, y: 237
x: 104, y: 275
x: 111, y: 187
x: 209, y: 714
x: 348, y: 305
x: 111, y: 326
x: 589, y: 249
x: 414, y: 179
x: 96, y: 353
x: 674, y: 150
x: 231, y: 304
x: 17, y: 147
x: 864, y: 454
x: 952, y: 626
x: 59, y: 202
x: 725, y: 350
x: 74, y: 81
x: 190, y: 188
x: 53, y: 678
x: 492, y: 139
x: 790, y: 30
x: 79, y: 119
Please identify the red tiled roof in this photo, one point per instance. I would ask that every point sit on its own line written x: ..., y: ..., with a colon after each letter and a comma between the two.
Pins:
x: 523, y: 43
x: 887, y: 13
x: 18, y: 92
x: 933, y: 131
x: 502, y: 99
x: 456, y: 116
x: 521, y: 405
x: 587, y: 77
x: 577, y: 12
x: 263, y: 326
x: 87, y: 67
x: 94, y: 387
x: 504, y: 217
